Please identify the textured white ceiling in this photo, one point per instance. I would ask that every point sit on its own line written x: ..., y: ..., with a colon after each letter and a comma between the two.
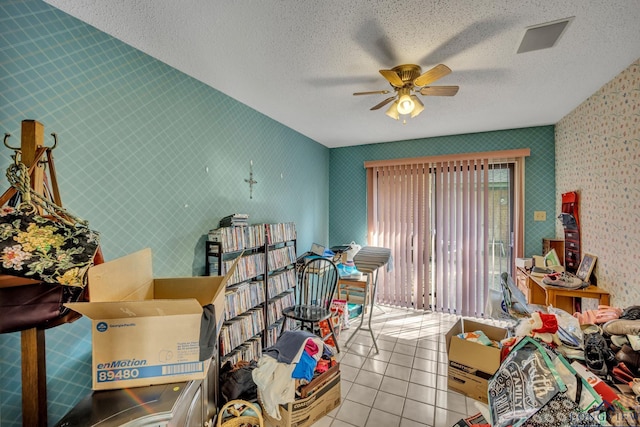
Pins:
x: 299, y: 62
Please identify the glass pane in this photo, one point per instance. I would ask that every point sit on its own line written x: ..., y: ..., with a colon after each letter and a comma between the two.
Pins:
x: 500, y: 222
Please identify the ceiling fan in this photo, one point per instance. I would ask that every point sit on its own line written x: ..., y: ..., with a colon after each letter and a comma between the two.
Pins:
x: 404, y: 80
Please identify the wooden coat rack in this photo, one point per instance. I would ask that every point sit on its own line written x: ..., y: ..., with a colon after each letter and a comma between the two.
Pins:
x: 33, y: 348
x: 35, y: 156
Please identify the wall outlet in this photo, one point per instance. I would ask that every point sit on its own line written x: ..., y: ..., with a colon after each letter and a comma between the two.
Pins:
x: 540, y: 215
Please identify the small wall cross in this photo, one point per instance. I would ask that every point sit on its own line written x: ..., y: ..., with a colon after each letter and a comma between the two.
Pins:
x: 251, y: 181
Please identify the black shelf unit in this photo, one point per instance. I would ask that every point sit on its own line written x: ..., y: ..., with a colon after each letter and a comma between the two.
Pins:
x: 259, y: 288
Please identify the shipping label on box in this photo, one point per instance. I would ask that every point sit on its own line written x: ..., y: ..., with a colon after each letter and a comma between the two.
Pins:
x: 306, y: 412
x: 146, y: 331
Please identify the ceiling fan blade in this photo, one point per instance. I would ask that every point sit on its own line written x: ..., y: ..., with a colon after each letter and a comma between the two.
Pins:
x: 375, y: 92
x: 392, y: 77
x: 373, y: 40
x: 437, y: 72
x: 439, y: 90
x: 468, y: 38
x: 383, y: 103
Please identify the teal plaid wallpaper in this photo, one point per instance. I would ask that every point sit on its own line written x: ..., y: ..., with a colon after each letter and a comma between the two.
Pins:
x: 151, y: 157
x: 348, y: 213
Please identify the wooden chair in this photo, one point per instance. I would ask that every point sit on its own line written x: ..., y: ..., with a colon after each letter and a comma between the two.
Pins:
x: 318, y: 280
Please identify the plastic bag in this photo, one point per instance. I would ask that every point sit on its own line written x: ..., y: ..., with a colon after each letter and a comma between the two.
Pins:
x: 496, y: 307
x: 569, y: 330
x: 340, y: 306
x: 354, y: 248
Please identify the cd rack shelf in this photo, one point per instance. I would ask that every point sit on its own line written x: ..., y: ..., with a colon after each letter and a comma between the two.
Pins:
x: 260, y: 287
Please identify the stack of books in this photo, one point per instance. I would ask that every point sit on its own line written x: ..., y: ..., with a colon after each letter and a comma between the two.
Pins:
x: 234, y: 220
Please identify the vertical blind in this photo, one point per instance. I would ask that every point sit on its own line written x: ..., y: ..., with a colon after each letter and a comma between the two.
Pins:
x: 402, y: 225
x: 433, y: 214
x: 461, y: 263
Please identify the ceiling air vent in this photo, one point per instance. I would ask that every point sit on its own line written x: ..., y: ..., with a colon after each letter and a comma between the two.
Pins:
x: 543, y: 36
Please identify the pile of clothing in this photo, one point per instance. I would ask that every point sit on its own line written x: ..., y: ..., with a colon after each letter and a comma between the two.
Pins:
x: 606, y: 341
x: 291, y: 363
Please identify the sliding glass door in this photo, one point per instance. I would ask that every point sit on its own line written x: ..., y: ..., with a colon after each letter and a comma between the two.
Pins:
x: 450, y: 228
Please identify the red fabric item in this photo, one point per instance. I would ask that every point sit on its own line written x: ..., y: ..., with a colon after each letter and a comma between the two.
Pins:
x: 324, y: 329
x: 311, y: 347
x: 507, y: 345
x: 549, y: 324
x: 322, y: 366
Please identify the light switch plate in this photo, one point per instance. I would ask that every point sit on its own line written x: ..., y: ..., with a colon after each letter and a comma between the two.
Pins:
x: 540, y: 215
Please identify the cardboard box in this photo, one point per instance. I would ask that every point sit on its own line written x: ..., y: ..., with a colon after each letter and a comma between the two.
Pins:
x: 320, y: 381
x: 305, y: 412
x: 146, y: 331
x: 471, y: 364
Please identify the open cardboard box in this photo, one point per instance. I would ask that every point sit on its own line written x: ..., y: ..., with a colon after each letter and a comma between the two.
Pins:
x: 471, y: 364
x: 306, y: 412
x: 146, y: 331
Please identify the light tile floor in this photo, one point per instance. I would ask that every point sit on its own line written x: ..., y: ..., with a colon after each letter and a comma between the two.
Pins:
x: 405, y: 383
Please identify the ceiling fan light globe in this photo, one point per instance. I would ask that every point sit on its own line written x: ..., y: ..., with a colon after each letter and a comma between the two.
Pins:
x: 405, y: 104
x: 416, y: 111
x: 392, y: 111
x: 419, y: 106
